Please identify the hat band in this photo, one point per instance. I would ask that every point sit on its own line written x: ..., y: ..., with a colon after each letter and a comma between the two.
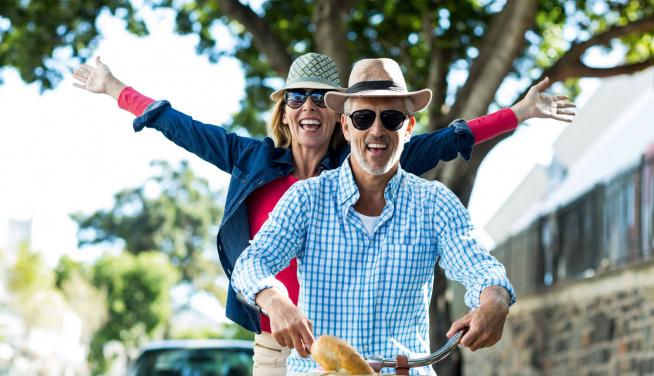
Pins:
x: 375, y: 85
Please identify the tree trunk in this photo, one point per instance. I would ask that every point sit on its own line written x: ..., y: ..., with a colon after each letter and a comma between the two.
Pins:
x: 263, y: 38
x: 329, y: 18
x: 503, y: 42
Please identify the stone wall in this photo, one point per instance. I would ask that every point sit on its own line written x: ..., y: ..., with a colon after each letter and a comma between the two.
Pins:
x: 598, y: 326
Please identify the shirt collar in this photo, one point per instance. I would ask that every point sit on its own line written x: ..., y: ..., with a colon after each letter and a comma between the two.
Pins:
x: 348, y: 192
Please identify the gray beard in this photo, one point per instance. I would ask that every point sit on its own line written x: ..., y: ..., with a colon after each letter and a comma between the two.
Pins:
x: 380, y: 170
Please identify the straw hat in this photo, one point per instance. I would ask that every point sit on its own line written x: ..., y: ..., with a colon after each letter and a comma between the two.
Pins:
x: 377, y: 78
x: 311, y: 71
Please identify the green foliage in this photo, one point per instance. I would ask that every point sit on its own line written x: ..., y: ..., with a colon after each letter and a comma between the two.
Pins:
x: 67, y: 268
x: 29, y: 274
x: 233, y: 331
x: 562, y: 23
x: 33, y: 32
x: 165, y: 227
x: 200, y: 333
x: 74, y: 280
x: 172, y: 213
x: 374, y: 29
x: 138, y: 300
x: 413, y: 32
x: 31, y: 283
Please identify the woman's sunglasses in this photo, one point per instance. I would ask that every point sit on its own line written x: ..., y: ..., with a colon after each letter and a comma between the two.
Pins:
x: 296, y: 98
x: 392, y: 120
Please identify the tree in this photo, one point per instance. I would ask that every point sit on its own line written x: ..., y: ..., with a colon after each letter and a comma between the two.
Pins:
x: 172, y: 213
x: 489, y: 41
x: 39, y: 38
x: 75, y: 280
x: 138, y: 300
x: 32, y: 287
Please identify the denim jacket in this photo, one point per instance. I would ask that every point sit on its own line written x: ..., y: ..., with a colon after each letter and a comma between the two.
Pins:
x: 253, y: 163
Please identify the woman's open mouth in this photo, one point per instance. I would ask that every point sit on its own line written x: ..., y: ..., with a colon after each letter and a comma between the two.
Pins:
x: 310, y: 124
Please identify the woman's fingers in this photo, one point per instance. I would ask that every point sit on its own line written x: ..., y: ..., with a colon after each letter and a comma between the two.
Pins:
x: 565, y: 105
x: 542, y: 85
x: 86, y: 68
x: 562, y: 118
x: 81, y: 76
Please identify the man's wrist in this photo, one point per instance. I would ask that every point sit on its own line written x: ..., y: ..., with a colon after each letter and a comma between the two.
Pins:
x: 271, y: 298
x: 497, y: 295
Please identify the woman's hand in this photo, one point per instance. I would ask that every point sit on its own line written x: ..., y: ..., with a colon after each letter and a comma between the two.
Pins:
x: 98, y: 79
x: 536, y: 104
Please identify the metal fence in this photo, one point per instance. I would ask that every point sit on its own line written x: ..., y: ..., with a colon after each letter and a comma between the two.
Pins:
x: 609, y: 226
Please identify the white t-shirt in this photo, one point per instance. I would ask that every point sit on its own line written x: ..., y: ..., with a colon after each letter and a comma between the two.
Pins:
x: 368, y: 222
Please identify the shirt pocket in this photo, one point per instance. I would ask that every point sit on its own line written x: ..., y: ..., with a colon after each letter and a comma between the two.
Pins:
x: 407, y: 269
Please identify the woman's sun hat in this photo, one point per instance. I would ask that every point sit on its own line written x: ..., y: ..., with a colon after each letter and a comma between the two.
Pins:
x: 311, y: 71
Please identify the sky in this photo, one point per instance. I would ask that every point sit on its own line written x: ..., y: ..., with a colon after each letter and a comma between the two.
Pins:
x: 69, y: 150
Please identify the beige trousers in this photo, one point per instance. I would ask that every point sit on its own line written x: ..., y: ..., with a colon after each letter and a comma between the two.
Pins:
x: 269, y: 357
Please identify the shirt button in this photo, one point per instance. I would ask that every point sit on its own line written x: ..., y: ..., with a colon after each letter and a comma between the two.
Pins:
x: 365, y: 310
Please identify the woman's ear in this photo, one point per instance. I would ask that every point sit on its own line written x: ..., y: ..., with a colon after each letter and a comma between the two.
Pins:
x: 284, y: 120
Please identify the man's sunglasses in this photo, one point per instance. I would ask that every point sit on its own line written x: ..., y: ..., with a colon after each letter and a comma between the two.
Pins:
x: 296, y: 98
x: 392, y: 120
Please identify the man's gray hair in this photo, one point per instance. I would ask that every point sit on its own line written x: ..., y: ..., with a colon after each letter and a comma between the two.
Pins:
x: 408, y: 105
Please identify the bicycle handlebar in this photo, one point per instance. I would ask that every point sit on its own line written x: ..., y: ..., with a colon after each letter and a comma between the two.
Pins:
x: 379, y: 362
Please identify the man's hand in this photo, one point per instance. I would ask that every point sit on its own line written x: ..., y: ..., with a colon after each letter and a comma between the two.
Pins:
x: 98, y: 80
x: 536, y: 104
x: 290, y: 327
x: 484, y: 324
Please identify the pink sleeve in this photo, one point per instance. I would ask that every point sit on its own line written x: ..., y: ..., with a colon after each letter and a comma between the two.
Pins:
x: 133, y: 101
x: 492, y: 125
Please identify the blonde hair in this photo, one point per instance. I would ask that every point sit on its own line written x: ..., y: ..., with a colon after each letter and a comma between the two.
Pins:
x: 277, y: 129
x: 281, y: 134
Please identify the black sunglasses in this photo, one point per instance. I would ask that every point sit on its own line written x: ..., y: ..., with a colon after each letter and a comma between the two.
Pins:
x: 392, y: 120
x: 296, y: 98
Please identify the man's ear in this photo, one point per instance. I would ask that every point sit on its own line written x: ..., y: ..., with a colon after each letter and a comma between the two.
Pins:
x: 409, y: 128
x: 345, y: 127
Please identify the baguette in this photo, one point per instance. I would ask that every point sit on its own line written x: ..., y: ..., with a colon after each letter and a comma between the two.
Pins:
x: 335, y: 355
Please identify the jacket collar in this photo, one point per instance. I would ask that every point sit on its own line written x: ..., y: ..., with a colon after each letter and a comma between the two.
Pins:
x: 285, y: 156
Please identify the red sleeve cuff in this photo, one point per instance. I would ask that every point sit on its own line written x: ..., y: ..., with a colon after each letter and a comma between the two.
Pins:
x: 492, y: 125
x: 133, y: 101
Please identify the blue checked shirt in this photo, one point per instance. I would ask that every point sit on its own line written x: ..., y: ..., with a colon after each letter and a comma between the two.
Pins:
x: 372, y: 290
